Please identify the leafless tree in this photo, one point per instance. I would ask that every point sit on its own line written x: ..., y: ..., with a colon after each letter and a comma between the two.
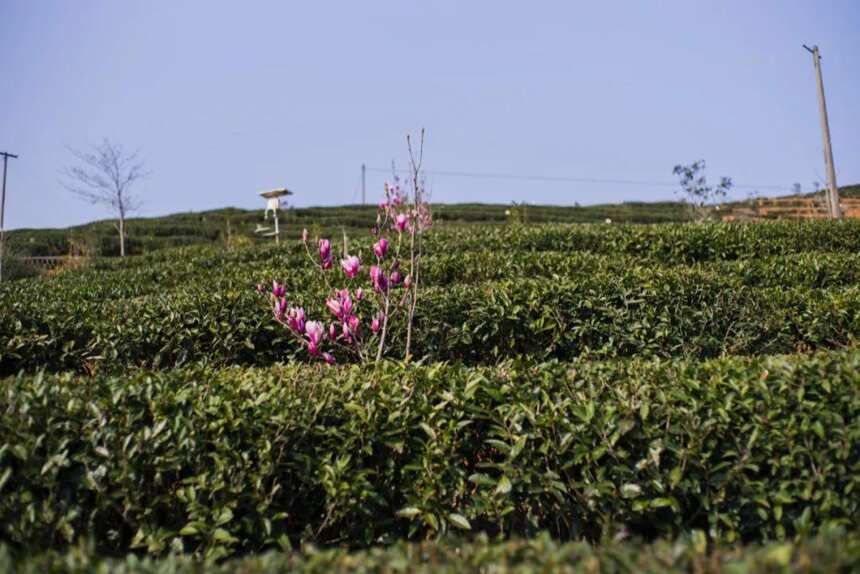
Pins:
x: 105, y: 176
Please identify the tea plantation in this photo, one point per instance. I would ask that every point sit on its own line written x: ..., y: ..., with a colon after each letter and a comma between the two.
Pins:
x: 584, y: 398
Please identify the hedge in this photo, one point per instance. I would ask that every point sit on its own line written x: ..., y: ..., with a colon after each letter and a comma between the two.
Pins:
x: 240, y: 460
x: 655, y: 312
x: 832, y: 552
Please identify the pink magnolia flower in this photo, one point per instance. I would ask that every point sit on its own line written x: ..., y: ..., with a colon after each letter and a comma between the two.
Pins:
x: 377, y: 277
x: 315, y: 332
x: 376, y: 323
x: 401, y: 221
x: 328, y: 358
x: 341, y: 304
x: 359, y: 294
x: 350, y: 266
x: 395, y: 277
x: 296, y: 320
x: 278, y: 290
x: 334, y: 306
x: 325, y: 253
x: 280, y: 307
x: 354, y: 324
x: 408, y: 281
x: 380, y: 248
x: 305, y: 235
x: 332, y: 332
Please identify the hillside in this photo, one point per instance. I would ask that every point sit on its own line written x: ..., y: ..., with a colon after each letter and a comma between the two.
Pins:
x: 148, y: 234
x: 207, y: 227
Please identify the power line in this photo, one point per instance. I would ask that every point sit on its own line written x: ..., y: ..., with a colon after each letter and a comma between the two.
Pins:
x: 566, y: 179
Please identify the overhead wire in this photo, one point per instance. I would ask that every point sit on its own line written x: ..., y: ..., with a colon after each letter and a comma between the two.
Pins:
x: 568, y: 179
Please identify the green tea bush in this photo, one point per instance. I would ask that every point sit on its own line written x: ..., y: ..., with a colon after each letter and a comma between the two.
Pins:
x: 654, y: 313
x: 831, y: 552
x: 238, y: 460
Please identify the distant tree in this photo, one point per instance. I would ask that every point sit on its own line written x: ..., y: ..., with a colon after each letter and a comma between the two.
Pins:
x: 697, y: 193
x: 105, y: 176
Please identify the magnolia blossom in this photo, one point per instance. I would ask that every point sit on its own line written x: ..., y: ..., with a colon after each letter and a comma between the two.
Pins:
x: 341, y: 304
x: 305, y: 235
x: 376, y: 323
x: 377, y: 277
x: 315, y: 332
x: 278, y: 290
x: 325, y: 253
x: 408, y: 281
x: 380, y: 248
x: 328, y: 358
x: 359, y: 294
x: 280, y: 307
x: 350, y: 266
x: 296, y: 320
x: 395, y: 277
x: 401, y: 221
x: 353, y: 323
x: 332, y: 331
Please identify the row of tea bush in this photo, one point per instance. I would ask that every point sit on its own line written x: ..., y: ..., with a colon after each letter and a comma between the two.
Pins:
x: 240, y: 460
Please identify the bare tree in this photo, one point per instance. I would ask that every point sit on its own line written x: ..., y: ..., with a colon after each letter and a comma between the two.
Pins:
x: 105, y: 177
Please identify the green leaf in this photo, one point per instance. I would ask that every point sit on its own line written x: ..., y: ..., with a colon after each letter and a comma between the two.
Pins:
x: 426, y: 428
x: 518, y: 447
x: 408, y: 512
x: 221, y: 535
x: 459, y: 521
x: 504, y: 485
x: 630, y: 490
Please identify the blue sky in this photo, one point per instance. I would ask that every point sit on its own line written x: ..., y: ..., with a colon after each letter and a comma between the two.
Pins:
x: 229, y: 98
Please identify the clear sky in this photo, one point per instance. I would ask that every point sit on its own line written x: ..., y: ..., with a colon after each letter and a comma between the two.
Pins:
x: 229, y: 98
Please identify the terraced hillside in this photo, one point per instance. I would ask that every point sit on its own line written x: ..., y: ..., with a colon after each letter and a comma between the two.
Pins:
x: 622, y: 386
x: 215, y: 227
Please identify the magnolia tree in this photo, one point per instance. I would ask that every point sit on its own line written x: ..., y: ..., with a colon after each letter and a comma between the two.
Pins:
x: 364, y: 296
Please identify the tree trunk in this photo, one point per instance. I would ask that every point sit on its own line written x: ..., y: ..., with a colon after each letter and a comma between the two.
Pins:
x: 121, y: 235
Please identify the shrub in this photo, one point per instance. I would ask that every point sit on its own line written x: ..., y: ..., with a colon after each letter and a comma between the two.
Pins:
x: 240, y: 460
x: 834, y: 551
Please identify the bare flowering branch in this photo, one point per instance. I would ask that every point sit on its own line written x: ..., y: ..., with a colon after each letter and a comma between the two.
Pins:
x: 361, y: 319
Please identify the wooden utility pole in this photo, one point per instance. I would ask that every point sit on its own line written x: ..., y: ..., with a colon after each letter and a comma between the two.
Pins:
x: 363, y: 184
x: 833, y: 190
x: 6, y: 157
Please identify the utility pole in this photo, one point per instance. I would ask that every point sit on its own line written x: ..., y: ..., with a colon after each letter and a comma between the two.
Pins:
x: 363, y: 184
x: 6, y: 157
x: 833, y: 190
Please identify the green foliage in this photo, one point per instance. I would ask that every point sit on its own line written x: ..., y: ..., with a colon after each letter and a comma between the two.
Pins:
x: 568, y: 386
x: 549, y: 291
x: 833, y: 551
x: 238, y: 460
x: 205, y: 228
